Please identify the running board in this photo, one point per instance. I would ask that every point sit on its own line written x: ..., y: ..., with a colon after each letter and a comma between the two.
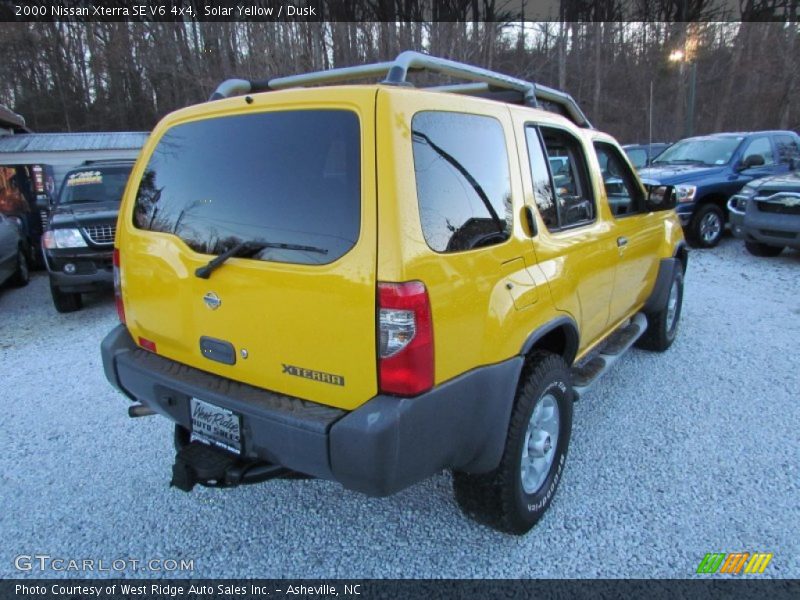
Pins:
x: 586, y: 373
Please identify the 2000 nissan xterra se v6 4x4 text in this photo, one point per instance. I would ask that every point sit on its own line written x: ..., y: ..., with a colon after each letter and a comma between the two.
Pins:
x: 371, y: 283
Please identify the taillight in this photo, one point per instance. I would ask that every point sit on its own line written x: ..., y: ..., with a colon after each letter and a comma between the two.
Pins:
x: 118, y: 288
x: 405, y: 338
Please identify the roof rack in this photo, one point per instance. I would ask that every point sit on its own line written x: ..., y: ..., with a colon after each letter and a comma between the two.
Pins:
x: 486, y: 84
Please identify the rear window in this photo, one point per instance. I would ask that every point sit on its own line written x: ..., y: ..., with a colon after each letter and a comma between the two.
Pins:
x: 286, y: 185
x: 99, y: 184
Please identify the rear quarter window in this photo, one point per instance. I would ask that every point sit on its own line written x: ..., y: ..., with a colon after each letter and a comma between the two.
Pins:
x: 287, y: 182
x: 463, y: 182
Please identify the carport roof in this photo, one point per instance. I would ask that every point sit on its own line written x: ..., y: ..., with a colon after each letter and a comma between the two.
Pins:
x: 71, y: 142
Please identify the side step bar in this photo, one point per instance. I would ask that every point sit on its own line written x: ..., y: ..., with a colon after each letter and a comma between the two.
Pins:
x: 586, y: 373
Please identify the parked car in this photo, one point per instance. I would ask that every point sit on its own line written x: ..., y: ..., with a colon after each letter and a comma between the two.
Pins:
x: 641, y: 155
x: 707, y: 170
x: 359, y: 283
x: 766, y: 214
x: 21, y: 187
x: 79, y: 240
x: 14, y: 252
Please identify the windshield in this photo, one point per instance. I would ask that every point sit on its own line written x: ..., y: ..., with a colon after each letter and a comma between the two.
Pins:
x: 285, y: 184
x: 703, y: 151
x: 98, y: 184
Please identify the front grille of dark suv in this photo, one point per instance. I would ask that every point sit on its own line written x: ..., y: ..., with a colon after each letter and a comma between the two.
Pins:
x: 100, y: 234
x: 781, y: 209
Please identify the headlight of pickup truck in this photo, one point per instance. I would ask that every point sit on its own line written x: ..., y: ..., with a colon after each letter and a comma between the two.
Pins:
x: 63, y: 238
x: 685, y: 193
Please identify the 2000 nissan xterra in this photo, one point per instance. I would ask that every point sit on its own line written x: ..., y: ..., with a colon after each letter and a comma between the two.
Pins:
x: 371, y: 283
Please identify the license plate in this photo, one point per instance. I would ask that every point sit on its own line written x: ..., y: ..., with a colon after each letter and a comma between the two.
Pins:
x: 216, y: 425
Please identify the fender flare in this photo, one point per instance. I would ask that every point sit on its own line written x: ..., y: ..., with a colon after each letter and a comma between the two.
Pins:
x: 666, y: 272
x: 571, y: 337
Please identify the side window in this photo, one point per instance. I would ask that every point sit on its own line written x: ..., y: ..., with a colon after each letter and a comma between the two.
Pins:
x: 463, y: 181
x: 542, y: 184
x: 788, y: 149
x: 638, y: 157
x: 624, y: 194
x: 762, y: 146
x: 567, y: 200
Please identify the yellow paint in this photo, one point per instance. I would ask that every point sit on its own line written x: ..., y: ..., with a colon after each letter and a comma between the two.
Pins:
x: 485, y: 302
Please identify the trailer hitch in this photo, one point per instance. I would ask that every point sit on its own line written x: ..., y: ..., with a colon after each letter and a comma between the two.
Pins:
x: 198, y: 463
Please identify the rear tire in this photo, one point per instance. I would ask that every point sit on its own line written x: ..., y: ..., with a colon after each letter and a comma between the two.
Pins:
x: 662, y: 326
x: 707, y: 226
x: 514, y: 496
x: 760, y: 249
x: 65, y: 302
x: 22, y: 275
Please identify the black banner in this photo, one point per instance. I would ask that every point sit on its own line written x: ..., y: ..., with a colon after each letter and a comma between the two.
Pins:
x: 367, y: 589
x: 390, y: 11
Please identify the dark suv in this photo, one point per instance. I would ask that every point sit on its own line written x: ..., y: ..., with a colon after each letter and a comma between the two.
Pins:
x: 706, y: 171
x: 79, y: 240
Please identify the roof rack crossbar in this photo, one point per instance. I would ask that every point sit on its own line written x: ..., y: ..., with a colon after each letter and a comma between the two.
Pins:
x: 410, y: 60
x: 489, y: 84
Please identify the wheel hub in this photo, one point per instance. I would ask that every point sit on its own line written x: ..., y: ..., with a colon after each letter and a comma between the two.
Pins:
x: 539, y: 448
x: 710, y: 227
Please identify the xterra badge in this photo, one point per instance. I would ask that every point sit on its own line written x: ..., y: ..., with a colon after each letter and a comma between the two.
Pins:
x: 320, y: 376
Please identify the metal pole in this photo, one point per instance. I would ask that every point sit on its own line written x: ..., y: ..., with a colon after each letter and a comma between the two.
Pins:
x: 650, y: 124
x: 690, y: 109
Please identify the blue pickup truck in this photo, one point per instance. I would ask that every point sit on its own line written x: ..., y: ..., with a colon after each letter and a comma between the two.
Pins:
x: 707, y: 170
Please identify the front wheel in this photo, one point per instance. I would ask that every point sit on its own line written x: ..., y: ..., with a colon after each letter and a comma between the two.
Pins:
x: 513, y: 497
x: 662, y: 326
x: 759, y: 249
x: 707, y: 226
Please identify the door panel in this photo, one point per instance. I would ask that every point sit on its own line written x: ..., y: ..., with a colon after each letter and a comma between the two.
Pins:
x: 637, y: 233
x: 579, y: 258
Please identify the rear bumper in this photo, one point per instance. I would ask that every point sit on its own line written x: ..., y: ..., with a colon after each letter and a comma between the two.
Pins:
x: 380, y: 448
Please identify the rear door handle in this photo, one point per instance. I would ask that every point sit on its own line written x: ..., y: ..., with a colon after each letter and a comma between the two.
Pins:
x: 622, y: 241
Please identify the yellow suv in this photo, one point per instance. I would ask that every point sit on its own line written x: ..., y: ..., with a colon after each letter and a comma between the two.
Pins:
x: 372, y: 283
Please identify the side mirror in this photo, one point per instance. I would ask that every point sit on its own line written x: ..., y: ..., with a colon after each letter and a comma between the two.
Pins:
x: 753, y: 160
x: 660, y: 197
x: 42, y: 203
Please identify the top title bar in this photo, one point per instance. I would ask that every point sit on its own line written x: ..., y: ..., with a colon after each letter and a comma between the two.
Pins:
x: 88, y: 11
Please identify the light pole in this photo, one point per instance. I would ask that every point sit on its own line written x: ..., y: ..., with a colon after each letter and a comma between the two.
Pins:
x: 681, y: 57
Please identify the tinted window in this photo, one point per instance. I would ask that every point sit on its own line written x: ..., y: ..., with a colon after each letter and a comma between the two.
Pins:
x: 542, y: 184
x: 98, y: 184
x: 622, y: 190
x: 761, y: 146
x: 787, y: 148
x: 463, y: 183
x: 573, y: 194
x: 286, y: 182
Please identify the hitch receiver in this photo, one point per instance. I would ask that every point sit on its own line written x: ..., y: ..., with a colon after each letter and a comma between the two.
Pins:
x: 199, y: 463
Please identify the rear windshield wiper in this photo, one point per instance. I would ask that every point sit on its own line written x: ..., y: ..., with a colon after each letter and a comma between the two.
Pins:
x: 247, y: 249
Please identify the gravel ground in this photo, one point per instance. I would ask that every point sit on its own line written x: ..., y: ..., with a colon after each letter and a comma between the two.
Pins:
x: 672, y: 456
